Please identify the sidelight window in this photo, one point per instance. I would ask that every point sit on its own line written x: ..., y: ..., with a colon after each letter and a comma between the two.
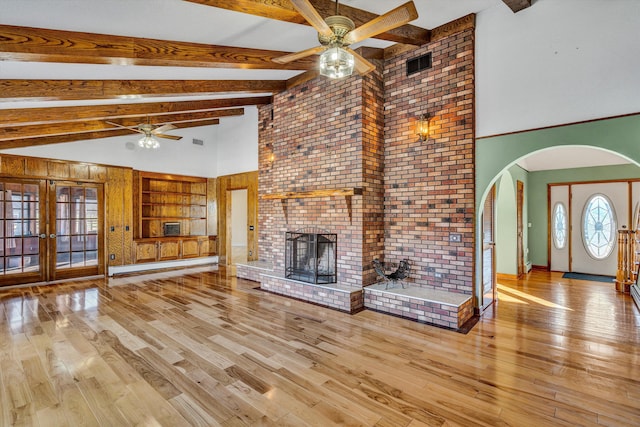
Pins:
x: 559, y: 226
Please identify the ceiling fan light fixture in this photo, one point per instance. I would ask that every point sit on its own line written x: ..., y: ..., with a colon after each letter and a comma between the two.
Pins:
x: 148, y: 141
x: 336, y: 63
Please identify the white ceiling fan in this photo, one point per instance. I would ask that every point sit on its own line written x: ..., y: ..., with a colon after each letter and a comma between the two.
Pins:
x: 337, y: 32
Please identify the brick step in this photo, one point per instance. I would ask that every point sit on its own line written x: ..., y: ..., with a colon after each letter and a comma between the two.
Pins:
x: 427, y: 305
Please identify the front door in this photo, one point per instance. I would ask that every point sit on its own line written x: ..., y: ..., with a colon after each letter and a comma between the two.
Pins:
x: 597, y: 212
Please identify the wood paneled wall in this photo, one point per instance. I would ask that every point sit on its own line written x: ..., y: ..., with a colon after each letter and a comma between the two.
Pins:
x: 118, y: 190
x: 212, y: 207
x: 119, y: 234
x: 34, y: 167
x: 227, y: 183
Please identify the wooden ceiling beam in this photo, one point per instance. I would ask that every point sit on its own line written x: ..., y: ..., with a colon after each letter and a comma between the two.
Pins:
x: 58, y: 139
x: 282, y: 10
x: 45, y: 45
x: 517, y: 5
x: 65, y: 128
x: 107, y: 89
x: 36, y: 116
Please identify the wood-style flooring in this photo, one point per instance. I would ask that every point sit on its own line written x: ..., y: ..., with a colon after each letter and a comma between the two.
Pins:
x: 195, y: 347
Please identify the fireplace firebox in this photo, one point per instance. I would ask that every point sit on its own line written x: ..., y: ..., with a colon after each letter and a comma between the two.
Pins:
x: 310, y: 256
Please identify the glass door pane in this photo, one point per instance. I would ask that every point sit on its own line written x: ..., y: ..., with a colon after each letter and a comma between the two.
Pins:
x: 77, y: 233
x: 21, y: 222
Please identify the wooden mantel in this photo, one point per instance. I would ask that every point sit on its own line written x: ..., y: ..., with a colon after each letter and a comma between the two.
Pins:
x: 356, y: 191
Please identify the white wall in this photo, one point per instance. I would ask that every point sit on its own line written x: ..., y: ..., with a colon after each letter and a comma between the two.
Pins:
x: 559, y: 61
x: 506, y: 226
x: 238, y: 143
x: 230, y: 147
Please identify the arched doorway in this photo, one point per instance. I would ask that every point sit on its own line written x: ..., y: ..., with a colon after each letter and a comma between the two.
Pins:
x: 497, y: 155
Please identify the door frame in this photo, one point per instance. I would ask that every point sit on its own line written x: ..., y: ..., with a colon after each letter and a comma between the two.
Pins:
x: 489, y: 207
x: 521, y: 270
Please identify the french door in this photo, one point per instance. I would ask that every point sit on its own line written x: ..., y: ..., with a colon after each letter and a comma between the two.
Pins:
x: 50, y: 230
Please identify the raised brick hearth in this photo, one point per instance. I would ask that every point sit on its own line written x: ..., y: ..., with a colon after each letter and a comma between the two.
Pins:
x: 426, y: 305
x: 341, y: 297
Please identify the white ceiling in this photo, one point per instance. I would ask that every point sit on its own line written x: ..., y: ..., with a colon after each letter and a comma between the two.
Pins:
x: 569, y: 158
x: 190, y: 22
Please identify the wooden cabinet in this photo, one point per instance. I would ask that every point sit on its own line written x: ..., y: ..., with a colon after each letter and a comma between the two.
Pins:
x: 146, y: 251
x: 173, y: 248
x: 170, y: 205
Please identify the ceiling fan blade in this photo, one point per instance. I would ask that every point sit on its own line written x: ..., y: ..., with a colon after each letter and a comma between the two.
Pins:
x: 388, y: 21
x: 124, y: 127
x: 306, y: 9
x: 163, y: 128
x: 297, y: 55
x: 164, y: 135
x: 362, y: 65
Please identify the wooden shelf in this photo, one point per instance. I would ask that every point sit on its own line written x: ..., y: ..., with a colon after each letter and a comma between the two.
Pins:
x: 177, y: 193
x: 169, y: 198
x: 355, y: 191
x: 175, y: 204
x: 171, y: 218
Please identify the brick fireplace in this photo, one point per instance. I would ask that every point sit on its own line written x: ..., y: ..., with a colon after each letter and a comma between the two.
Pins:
x: 342, y: 155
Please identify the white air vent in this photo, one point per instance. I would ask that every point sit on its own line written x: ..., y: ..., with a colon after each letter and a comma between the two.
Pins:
x: 198, y: 141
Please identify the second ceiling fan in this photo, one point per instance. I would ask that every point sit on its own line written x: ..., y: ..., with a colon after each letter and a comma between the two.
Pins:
x: 337, y: 32
x: 150, y: 131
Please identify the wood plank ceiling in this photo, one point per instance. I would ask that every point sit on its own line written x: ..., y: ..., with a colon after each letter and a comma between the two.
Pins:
x: 38, y: 126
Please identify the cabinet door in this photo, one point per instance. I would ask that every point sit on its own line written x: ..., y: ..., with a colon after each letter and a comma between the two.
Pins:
x: 146, y: 251
x: 190, y: 248
x: 168, y: 250
x: 204, y: 247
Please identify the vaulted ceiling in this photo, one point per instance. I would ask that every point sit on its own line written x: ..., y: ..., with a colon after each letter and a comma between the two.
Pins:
x: 68, y: 67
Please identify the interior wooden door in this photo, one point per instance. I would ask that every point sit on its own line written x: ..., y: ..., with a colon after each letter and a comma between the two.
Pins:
x: 519, y: 228
x: 23, y: 246
x: 488, y: 251
x: 76, y: 232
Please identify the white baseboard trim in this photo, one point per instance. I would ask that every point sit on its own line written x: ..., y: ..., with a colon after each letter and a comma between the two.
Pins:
x: 134, y: 268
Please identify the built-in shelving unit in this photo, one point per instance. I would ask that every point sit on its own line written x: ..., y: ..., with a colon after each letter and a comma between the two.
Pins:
x: 171, y: 217
x: 172, y: 205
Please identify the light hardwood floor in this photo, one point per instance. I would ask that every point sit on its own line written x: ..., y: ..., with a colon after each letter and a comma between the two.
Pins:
x: 196, y: 347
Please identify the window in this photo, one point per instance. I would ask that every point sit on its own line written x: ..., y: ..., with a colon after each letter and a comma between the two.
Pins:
x: 559, y: 226
x: 598, y: 227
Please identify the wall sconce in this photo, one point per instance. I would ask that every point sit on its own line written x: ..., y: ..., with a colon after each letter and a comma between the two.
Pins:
x: 422, y: 128
x: 271, y: 156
